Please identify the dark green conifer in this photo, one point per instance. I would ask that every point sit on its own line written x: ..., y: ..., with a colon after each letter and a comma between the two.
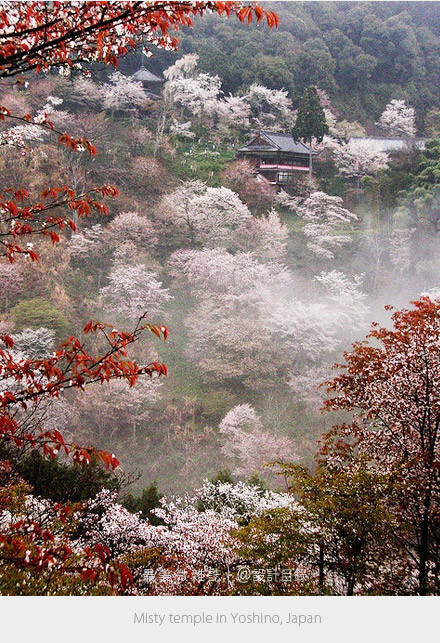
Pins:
x: 310, y: 122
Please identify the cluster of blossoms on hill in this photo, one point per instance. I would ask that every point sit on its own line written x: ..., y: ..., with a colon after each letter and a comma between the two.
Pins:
x: 198, y: 98
x: 356, y: 155
x: 191, y: 552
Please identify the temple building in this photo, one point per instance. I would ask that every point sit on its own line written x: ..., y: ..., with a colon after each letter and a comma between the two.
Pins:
x: 152, y: 84
x: 276, y: 156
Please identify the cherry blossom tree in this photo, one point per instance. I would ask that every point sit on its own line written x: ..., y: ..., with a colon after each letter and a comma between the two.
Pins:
x: 307, y: 331
x: 132, y: 290
x: 358, y: 157
x: 271, y: 108
x: 329, y: 111
x: 86, y: 94
x: 240, y: 499
x: 197, y: 93
x: 89, y: 241
x: 399, y: 119
x: 204, y: 216
x: 198, y: 549
x: 306, y: 385
x: 233, y: 113
x: 199, y: 537
x: 91, y: 245
x: 184, y: 67
x: 114, y: 414
x: 106, y: 521
x: 312, y: 330
x: 27, y: 381
x: 132, y: 227
x: 123, y: 93
x: 128, y: 236
x: 21, y: 136
x: 11, y: 282
x: 228, y: 332
x: 35, y: 343
x: 189, y: 553
x: 346, y: 298
x: 265, y: 236
x: 248, y: 445
x: 155, y: 178
x: 242, y: 178
x: 234, y: 347
x: 216, y: 273
x: 327, y: 223
x: 194, y: 552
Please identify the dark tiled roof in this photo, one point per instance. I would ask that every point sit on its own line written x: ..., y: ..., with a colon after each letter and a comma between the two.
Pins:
x: 286, y: 142
x: 277, y: 142
x: 146, y: 76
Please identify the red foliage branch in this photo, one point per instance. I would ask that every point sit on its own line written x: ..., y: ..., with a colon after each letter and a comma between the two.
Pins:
x: 34, y: 35
x: 39, y: 542
x: 19, y: 220
x: 28, y: 545
x: 72, y: 366
x: 27, y: 220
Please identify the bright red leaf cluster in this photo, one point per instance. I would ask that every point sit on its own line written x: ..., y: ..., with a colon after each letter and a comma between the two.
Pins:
x: 34, y: 35
x: 72, y: 366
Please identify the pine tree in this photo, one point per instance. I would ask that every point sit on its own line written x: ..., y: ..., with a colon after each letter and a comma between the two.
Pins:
x: 310, y: 121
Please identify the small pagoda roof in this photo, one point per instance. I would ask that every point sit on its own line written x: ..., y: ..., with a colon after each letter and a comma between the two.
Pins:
x: 274, y: 142
x: 146, y: 76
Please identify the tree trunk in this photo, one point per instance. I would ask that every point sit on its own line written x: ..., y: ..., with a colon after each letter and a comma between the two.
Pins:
x: 424, y: 553
x: 423, y: 558
x: 321, y: 566
x: 311, y: 162
x: 160, y: 131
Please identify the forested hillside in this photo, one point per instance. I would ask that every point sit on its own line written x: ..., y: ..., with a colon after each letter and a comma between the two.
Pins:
x: 363, y: 54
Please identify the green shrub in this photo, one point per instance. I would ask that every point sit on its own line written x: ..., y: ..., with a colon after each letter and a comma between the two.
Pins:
x: 58, y: 481
x: 145, y: 503
x: 37, y: 312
